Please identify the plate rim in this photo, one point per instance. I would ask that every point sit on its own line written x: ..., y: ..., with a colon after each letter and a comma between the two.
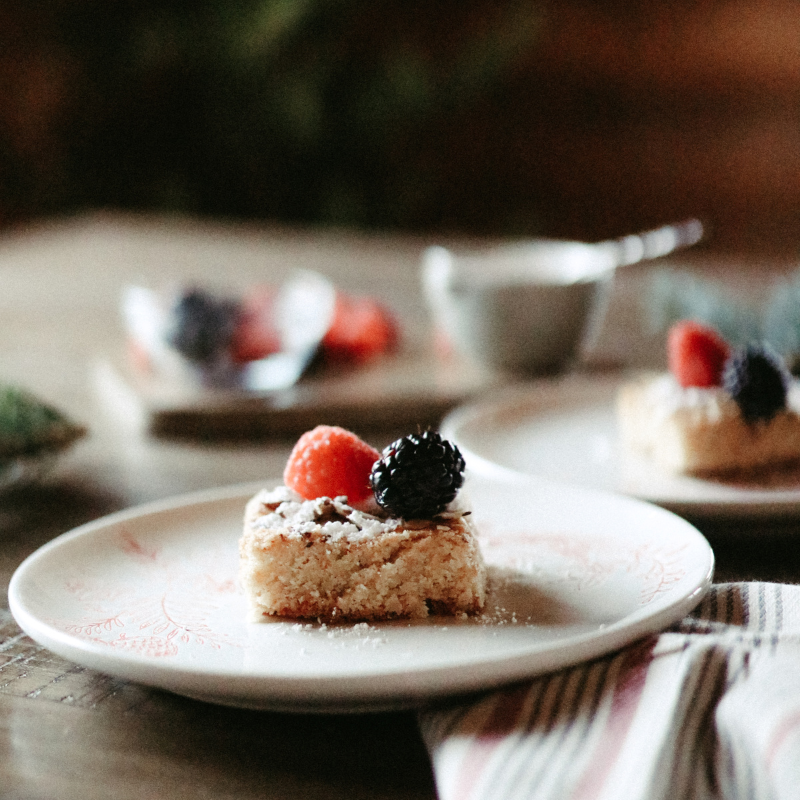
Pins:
x: 343, y: 693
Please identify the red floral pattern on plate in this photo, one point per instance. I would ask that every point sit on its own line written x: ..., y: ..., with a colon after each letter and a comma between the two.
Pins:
x: 588, y: 560
x: 170, y: 606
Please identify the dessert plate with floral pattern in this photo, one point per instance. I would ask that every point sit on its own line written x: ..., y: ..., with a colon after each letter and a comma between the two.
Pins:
x: 565, y: 429
x: 150, y: 595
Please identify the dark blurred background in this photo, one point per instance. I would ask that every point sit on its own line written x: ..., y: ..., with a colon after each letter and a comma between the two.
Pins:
x: 564, y: 118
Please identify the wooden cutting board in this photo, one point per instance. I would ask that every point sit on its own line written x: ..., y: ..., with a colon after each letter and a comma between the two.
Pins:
x: 403, y: 391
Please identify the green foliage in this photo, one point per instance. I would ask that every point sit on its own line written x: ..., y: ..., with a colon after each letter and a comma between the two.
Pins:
x: 305, y: 110
x: 782, y: 316
x: 29, y: 427
x: 675, y: 295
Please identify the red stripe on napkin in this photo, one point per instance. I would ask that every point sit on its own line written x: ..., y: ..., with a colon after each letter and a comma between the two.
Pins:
x: 624, y: 705
x: 501, y: 722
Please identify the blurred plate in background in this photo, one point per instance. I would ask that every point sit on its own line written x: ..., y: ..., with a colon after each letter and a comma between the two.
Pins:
x: 565, y: 429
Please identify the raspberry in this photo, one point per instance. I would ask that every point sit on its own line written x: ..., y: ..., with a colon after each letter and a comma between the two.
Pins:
x: 361, y: 330
x: 696, y: 354
x: 255, y: 335
x: 756, y: 378
x: 329, y: 461
x: 418, y: 475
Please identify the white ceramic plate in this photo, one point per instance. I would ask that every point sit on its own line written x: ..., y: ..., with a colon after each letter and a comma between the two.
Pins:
x: 150, y: 595
x: 566, y: 430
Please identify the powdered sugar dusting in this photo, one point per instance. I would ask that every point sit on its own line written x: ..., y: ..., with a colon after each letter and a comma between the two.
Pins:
x: 359, y: 636
x: 334, y: 517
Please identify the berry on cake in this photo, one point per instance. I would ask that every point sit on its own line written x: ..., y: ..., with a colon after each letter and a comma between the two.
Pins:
x: 718, y: 409
x: 354, y: 534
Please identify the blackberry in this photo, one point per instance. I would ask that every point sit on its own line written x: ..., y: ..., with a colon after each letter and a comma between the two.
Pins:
x: 757, y: 379
x: 202, y: 326
x: 417, y: 476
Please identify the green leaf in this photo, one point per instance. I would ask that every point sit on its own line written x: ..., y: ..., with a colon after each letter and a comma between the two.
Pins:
x: 29, y: 426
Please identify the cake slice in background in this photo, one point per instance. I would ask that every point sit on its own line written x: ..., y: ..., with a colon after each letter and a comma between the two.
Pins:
x: 718, y: 409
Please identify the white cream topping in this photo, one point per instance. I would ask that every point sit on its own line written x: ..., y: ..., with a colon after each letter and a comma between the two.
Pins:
x: 301, y: 516
x: 666, y: 396
x: 665, y: 392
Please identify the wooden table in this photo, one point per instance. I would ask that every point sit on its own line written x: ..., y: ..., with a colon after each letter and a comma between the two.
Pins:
x: 68, y: 732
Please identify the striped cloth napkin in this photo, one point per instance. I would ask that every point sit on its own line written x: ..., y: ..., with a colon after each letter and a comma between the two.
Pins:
x: 708, y: 709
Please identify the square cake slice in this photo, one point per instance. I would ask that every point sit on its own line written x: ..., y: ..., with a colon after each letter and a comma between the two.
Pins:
x: 702, y: 430
x: 324, y: 559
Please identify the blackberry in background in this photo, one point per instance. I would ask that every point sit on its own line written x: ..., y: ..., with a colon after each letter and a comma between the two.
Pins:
x: 202, y: 326
x: 757, y: 379
x: 417, y: 476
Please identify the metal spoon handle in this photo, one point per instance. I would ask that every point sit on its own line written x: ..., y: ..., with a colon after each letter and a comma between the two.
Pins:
x: 656, y: 243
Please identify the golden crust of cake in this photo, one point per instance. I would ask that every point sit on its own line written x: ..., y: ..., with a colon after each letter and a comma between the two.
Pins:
x: 702, y: 431
x: 323, y: 559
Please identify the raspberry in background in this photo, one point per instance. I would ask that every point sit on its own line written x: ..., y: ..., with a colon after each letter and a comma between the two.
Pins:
x: 362, y: 329
x: 255, y: 335
x: 696, y: 354
x: 329, y: 461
